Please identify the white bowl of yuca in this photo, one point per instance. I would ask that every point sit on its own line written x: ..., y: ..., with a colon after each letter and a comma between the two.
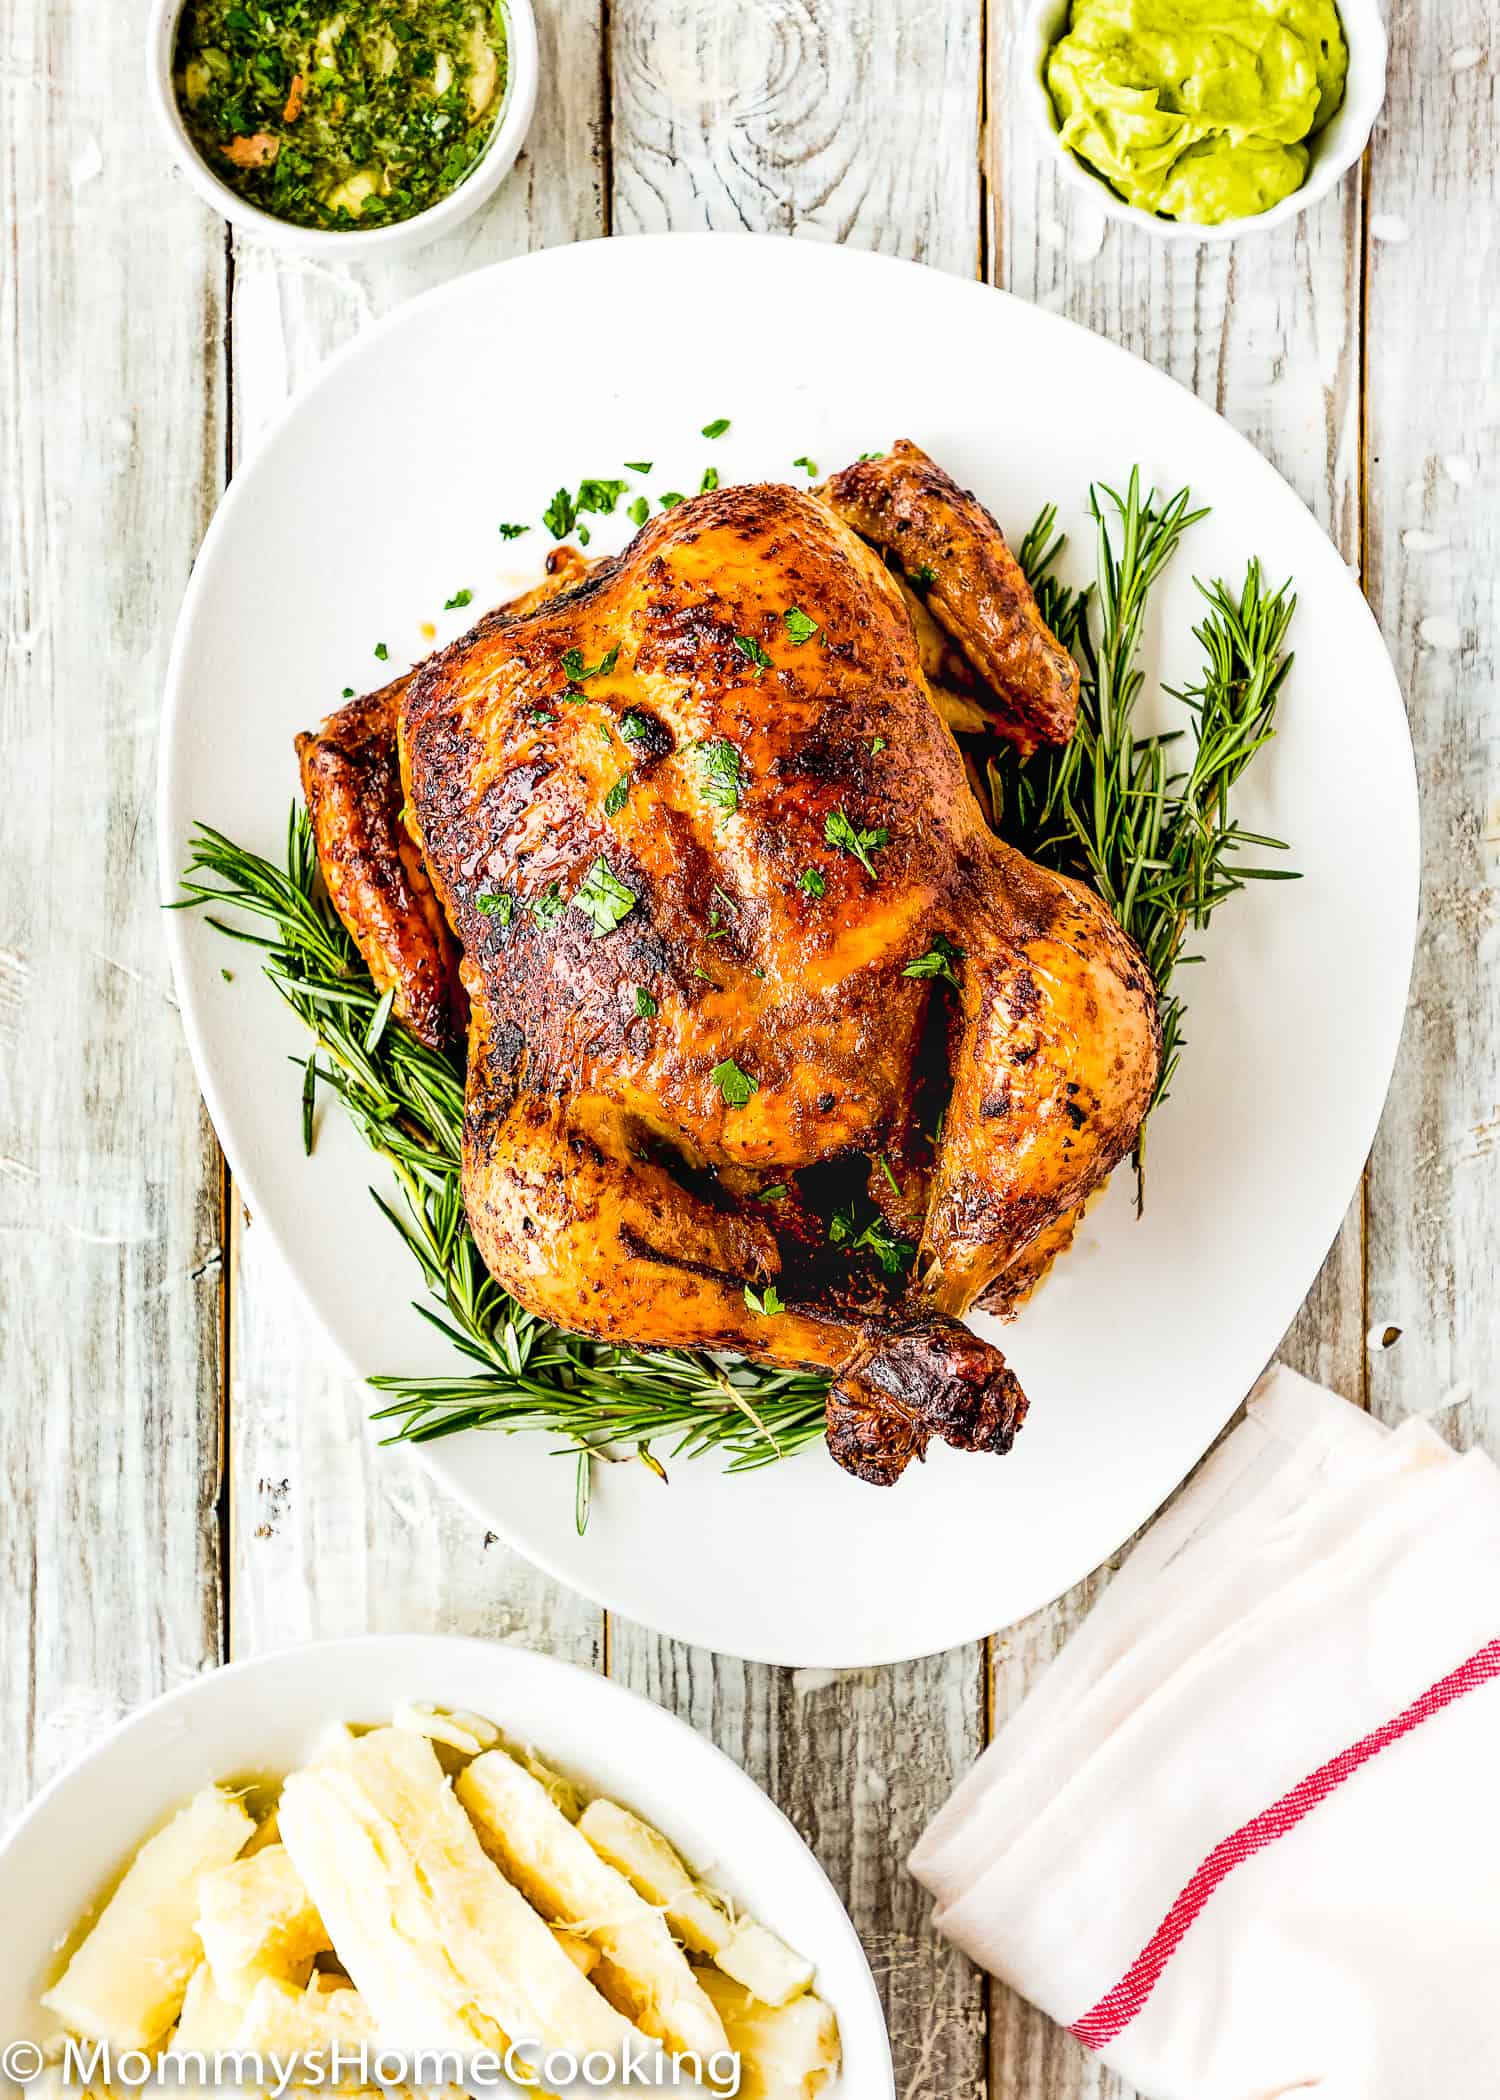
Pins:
x: 413, y: 1860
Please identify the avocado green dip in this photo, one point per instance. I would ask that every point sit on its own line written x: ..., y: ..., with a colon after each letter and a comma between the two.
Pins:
x: 340, y: 117
x: 1198, y: 109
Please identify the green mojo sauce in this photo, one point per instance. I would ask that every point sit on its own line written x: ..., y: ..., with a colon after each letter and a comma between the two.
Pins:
x: 1198, y: 109
x: 340, y: 118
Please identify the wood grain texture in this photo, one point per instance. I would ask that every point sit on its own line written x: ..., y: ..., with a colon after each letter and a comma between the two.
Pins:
x: 857, y: 121
x: 1434, y: 580
x: 1268, y: 332
x: 331, y: 1534
x: 110, y: 446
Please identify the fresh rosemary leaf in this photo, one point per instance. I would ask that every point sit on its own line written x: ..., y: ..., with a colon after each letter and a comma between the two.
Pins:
x: 378, y: 1019
x: 309, y: 1101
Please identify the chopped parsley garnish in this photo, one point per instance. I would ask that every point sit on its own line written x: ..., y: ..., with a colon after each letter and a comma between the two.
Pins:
x: 735, y: 1086
x: 604, y: 899
x: 938, y: 961
x: 549, y: 907
x: 639, y: 466
x: 719, y: 764
x: 808, y: 466
x: 871, y: 455
x: 584, y: 535
x: 768, y: 1302
x: 513, y: 532
x: 892, y: 1252
x: 838, y: 831
x: 600, y: 496
x: 561, y: 515
x: 634, y: 727
x: 773, y: 1194
x: 576, y: 671
x: 924, y: 578
x: 753, y: 653
x: 877, y: 743
x: 618, y: 796
x: 710, y: 480
x: 811, y: 882
x: 716, y: 428
x: 459, y: 598
x: 348, y: 692
x: 645, y: 1006
x: 539, y: 714
x: 799, y: 627
x: 496, y: 904
x: 639, y: 511
x: 382, y: 652
x: 671, y: 499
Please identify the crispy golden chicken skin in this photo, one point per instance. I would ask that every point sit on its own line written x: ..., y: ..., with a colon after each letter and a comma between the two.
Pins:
x: 351, y: 782
x: 691, y: 847
x: 373, y: 869
x: 950, y: 549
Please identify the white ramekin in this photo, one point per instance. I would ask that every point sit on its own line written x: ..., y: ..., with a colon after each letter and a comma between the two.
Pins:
x: 1332, y: 153
x: 484, y: 178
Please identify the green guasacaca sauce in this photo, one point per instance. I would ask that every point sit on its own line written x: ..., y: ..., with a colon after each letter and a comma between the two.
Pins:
x: 340, y: 118
x: 1198, y: 109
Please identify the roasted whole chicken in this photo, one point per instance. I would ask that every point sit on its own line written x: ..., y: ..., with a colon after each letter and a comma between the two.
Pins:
x: 773, y: 1046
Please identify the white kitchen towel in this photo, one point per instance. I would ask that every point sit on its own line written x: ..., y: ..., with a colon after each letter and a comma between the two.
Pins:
x: 1243, y: 1839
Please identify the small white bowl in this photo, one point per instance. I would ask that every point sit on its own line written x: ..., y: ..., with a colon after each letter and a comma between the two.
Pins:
x: 261, y: 1718
x: 480, y: 184
x: 1331, y: 154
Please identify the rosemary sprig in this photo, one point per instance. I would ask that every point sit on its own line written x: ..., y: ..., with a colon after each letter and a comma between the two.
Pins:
x: 407, y: 1102
x: 1158, y: 844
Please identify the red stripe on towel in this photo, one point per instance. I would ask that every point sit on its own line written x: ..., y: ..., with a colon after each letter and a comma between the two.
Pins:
x: 1114, y: 2012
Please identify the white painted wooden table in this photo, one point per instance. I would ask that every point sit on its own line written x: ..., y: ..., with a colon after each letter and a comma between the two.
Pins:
x: 183, y: 1475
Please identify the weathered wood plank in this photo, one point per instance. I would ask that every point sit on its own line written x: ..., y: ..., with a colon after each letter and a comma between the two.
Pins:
x: 330, y: 1533
x: 1434, y: 578
x: 1268, y: 331
x: 111, y: 441
x: 849, y: 120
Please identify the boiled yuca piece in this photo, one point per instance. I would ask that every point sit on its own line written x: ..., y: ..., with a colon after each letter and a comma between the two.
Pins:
x: 464, y: 1732
x: 445, y: 1953
x: 699, y: 1915
x: 209, y: 2023
x: 306, y: 2026
x: 786, y: 2052
x: 125, y: 1985
x: 643, y: 1970
x: 256, y: 1920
